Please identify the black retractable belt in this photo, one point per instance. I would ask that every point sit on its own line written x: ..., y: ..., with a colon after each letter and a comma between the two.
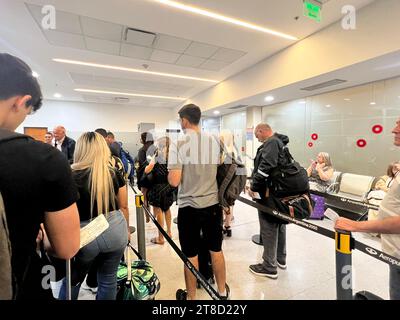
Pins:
x: 203, y: 282
x: 344, y: 200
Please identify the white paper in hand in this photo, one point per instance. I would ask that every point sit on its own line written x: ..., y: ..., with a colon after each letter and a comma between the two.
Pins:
x: 331, y: 215
x: 92, y: 230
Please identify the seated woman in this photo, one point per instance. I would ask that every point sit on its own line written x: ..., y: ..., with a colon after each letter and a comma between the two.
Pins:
x: 102, y: 192
x: 385, y: 181
x: 161, y: 195
x: 320, y: 172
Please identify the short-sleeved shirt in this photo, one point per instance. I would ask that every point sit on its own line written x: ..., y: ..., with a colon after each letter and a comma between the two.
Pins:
x: 390, y: 207
x: 198, y: 158
x: 81, y: 178
x: 34, y: 178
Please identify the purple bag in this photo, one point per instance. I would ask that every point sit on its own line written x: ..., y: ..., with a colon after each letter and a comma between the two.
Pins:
x: 319, y: 207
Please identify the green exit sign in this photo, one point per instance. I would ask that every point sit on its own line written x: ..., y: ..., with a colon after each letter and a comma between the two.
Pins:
x: 312, y: 10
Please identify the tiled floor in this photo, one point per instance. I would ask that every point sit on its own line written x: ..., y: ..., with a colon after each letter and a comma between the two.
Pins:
x: 311, y: 263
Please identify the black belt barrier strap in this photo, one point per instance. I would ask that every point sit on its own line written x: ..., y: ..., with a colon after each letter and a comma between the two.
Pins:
x: 328, y: 233
x: 344, y: 200
x: 203, y: 282
x: 390, y: 260
x: 301, y: 223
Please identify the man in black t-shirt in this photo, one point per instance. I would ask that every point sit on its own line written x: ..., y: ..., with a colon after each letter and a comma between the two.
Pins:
x: 35, y: 180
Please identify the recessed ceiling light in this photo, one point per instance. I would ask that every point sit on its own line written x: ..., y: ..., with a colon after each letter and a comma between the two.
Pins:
x: 35, y: 74
x: 57, y: 95
x: 269, y: 98
x: 129, y: 94
x: 347, y: 99
x: 216, y: 112
x: 105, y: 66
x: 328, y: 106
x: 227, y: 19
x: 302, y: 102
x: 372, y: 103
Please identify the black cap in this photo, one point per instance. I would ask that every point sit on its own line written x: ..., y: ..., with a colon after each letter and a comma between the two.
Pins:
x: 16, y: 79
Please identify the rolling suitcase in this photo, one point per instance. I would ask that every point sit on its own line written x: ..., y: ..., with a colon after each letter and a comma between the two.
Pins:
x: 318, y: 208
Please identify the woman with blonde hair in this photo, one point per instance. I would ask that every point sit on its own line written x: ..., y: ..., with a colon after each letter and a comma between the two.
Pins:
x: 102, y: 190
x: 320, y: 172
x: 229, y: 151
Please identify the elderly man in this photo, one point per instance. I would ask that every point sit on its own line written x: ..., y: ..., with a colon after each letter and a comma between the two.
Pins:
x: 63, y: 143
x: 388, y: 225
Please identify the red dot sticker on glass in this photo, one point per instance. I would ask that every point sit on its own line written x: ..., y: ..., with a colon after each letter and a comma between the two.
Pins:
x: 377, y: 129
x: 314, y: 136
x: 310, y: 144
x: 361, y: 143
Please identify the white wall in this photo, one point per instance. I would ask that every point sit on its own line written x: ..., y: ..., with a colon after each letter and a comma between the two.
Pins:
x: 331, y: 49
x: 80, y: 116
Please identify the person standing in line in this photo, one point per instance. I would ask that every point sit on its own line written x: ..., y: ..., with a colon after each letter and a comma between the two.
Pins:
x: 63, y: 143
x: 194, y: 172
x: 102, y: 191
x: 273, y: 231
x: 35, y: 182
x: 387, y: 224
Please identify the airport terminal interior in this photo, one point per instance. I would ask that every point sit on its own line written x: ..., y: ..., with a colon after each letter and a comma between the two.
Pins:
x: 325, y: 73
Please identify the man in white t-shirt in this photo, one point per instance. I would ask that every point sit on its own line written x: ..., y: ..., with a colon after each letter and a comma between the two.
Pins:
x: 388, y: 225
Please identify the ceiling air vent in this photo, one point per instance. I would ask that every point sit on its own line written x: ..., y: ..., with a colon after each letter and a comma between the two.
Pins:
x: 324, y: 84
x: 121, y: 99
x: 240, y: 106
x: 139, y: 37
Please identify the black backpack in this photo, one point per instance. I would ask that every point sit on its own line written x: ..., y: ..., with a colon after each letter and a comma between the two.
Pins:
x: 231, y: 179
x: 289, y: 178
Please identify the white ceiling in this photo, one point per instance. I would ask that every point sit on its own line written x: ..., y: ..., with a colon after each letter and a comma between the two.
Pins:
x: 187, y: 44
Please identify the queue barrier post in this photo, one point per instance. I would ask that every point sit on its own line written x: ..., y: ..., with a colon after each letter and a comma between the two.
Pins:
x: 141, y: 232
x: 344, y: 244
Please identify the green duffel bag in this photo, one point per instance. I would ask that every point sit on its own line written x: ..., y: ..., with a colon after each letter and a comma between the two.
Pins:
x: 143, y: 283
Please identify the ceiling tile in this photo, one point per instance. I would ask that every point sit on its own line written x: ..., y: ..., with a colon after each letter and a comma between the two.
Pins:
x: 214, y: 65
x: 201, y: 50
x: 103, y: 46
x: 141, y: 38
x: 227, y: 55
x: 65, y: 21
x: 65, y: 39
x: 136, y: 52
x: 164, y: 56
x: 101, y: 29
x: 170, y: 43
x: 189, y: 61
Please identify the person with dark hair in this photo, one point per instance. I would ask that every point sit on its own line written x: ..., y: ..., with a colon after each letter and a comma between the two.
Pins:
x: 115, y: 147
x: 48, y: 138
x: 102, y: 132
x: 199, y: 212
x: 35, y: 182
x: 148, y: 150
x: 63, y: 143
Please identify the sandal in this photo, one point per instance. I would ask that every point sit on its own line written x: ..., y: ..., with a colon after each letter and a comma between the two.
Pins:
x: 156, y: 241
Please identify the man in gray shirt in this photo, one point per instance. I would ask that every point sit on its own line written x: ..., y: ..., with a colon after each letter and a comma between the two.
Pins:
x: 193, y: 166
